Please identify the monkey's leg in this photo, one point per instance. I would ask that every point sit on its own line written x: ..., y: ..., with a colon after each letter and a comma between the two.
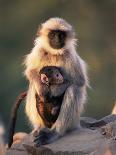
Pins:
x: 68, y: 118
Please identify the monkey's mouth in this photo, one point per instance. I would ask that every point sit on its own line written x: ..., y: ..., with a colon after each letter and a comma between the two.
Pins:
x: 57, y: 45
x: 59, y: 81
x: 56, y: 82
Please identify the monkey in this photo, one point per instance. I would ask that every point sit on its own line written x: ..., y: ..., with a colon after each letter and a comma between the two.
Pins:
x: 55, y: 45
x: 47, y: 105
x: 51, y: 75
x: 2, y: 143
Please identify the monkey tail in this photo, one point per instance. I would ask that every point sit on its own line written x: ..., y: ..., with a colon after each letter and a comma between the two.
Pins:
x: 14, y: 117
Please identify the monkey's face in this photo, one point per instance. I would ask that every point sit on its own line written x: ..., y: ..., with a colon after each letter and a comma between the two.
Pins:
x: 57, y: 38
x: 51, y: 75
x: 55, y: 78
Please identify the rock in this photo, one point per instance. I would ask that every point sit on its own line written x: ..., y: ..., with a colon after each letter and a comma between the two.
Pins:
x: 97, y: 140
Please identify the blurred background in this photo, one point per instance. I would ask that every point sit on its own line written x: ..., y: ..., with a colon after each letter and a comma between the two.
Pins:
x: 95, y: 24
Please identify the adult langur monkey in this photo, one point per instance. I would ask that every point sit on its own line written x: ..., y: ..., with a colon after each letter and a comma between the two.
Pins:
x: 55, y: 46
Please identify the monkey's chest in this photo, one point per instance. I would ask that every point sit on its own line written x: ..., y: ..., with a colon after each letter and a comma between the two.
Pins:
x: 48, y: 59
x: 48, y: 108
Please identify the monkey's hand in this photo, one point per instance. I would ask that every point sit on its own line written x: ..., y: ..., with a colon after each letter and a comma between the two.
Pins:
x: 45, y: 136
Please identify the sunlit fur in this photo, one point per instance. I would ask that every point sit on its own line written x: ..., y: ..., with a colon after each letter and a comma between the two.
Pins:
x: 44, y: 55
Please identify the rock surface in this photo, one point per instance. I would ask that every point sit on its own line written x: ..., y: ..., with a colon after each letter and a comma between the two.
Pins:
x: 95, y: 137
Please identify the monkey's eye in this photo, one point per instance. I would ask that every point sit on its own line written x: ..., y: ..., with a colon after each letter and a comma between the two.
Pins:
x: 51, y: 35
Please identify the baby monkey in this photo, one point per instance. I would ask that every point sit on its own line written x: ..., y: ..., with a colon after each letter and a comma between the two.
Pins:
x: 48, y: 106
x: 48, y: 103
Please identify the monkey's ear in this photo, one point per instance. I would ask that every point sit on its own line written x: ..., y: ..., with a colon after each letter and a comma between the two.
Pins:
x: 39, y: 30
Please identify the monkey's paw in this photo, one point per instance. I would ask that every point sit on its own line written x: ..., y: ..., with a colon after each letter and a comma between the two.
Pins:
x: 45, y: 136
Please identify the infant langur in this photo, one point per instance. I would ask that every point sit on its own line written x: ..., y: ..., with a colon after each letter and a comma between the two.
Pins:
x: 48, y: 106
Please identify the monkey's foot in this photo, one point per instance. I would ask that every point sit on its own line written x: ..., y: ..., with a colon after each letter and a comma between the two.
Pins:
x: 45, y: 136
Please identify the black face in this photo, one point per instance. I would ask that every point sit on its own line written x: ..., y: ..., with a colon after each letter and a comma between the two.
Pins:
x: 53, y: 74
x: 57, y: 38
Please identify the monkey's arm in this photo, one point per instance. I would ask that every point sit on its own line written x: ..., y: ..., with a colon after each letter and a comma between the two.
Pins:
x: 74, y: 98
x: 32, y: 63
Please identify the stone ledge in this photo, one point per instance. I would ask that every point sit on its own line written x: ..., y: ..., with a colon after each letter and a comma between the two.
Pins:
x: 99, y: 139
